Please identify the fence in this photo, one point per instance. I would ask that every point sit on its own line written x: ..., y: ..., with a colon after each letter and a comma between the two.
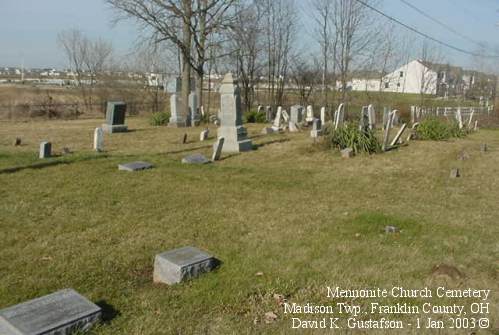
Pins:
x: 461, y: 114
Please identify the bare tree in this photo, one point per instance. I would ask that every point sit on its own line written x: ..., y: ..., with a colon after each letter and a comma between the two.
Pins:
x: 305, y: 76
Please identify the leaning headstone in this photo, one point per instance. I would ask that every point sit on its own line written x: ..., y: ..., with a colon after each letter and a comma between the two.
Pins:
x: 340, y: 116
x: 292, y: 127
x: 399, y: 135
x: 62, y: 312
x: 135, y: 166
x: 195, y: 159
x: 412, y: 133
x: 115, y: 117
x: 323, y: 115
x: 364, y: 119
x: 347, y: 153
x: 455, y: 173
x: 386, y: 116
x: 296, y: 114
x: 388, y: 127
x: 184, y: 139
x: 459, y: 118
x: 285, y: 115
x: 310, y: 114
x: 178, y: 265
x: 98, y: 140
x: 45, y: 149
x: 260, y: 109
x: 194, y: 116
x: 316, y: 128
x: 17, y: 142
x: 276, y: 125
x: 231, y: 128
x: 371, y: 116
x: 204, y: 135
x: 217, y: 149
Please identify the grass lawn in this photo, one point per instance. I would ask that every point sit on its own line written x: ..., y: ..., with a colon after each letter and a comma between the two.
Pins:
x: 303, y: 217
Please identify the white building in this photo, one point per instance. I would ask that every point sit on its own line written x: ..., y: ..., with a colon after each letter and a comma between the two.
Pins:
x: 414, y: 77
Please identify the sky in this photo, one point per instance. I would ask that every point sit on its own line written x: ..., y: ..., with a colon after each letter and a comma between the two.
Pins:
x: 29, y: 28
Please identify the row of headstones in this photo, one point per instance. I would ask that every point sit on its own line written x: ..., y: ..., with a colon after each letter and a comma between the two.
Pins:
x: 67, y: 312
x: 419, y: 113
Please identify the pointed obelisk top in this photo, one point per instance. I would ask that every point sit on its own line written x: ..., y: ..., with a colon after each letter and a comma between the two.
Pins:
x: 228, y: 79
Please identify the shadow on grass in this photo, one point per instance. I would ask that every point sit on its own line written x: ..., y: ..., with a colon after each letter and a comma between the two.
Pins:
x: 281, y: 140
x: 41, y: 165
x: 108, y: 311
x: 187, y: 150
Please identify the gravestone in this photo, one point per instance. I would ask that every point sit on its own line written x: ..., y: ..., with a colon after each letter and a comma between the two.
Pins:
x: 323, y: 115
x: 316, y: 128
x: 388, y: 127
x: 399, y: 134
x: 292, y: 127
x: 17, y: 142
x: 204, y: 135
x: 177, y: 117
x: 347, y: 153
x: 475, y: 128
x: 395, y: 118
x: 231, y: 127
x: 194, y: 117
x: 195, y: 159
x: 62, y: 312
x: 268, y: 114
x: 181, y: 264
x: 296, y: 114
x: 217, y: 149
x: 455, y: 173
x: 372, y: 117
x: 260, y: 109
x: 98, y: 140
x: 386, y: 116
x: 459, y: 118
x: 339, y: 116
x: 268, y: 130
x: 45, y: 149
x: 184, y: 139
x: 364, y: 119
x: 115, y: 117
x: 413, y: 114
x: 135, y: 166
x: 277, y: 121
x: 484, y: 148
x: 310, y: 114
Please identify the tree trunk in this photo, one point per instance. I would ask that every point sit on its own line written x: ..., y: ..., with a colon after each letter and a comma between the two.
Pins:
x: 186, y: 55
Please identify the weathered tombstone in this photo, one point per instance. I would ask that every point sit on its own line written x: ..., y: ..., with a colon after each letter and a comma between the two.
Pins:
x: 296, y: 114
x: 135, y: 166
x: 323, y: 115
x: 277, y: 121
x: 201, y: 109
x: 17, y: 142
x: 231, y: 128
x: 184, y: 139
x: 475, y: 128
x: 372, y: 117
x: 316, y: 128
x: 395, y: 118
x: 484, y: 148
x: 364, y: 119
x: 340, y: 116
x: 455, y: 173
x: 217, y: 149
x: 413, y: 114
x: 388, y: 127
x: 260, y: 109
x: 471, y: 117
x: 195, y: 159
x: 412, y: 134
x: 292, y: 127
x: 386, y: 116
x: 178, y: 265
x: 115, y: 117
x: 459, y: 118
x: 347, y: 153
x: 177, y: 118
x: 399, y: 135
x: 62, y: 312
x: 268, y: 114
x: 194, y: 117
x: 268, y: 130
x: 310, y: 114
x: 98, y: 140
x: 204, y: 135
x: 45, y: 149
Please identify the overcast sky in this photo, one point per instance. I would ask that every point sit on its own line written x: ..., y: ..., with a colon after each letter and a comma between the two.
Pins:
x: 29, y: 28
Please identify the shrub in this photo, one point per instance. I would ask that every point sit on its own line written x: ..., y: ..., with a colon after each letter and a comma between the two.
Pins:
x: 254, y: 117
x: 159, y: 118
x: 349, y: 136
x: 435, y: 129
